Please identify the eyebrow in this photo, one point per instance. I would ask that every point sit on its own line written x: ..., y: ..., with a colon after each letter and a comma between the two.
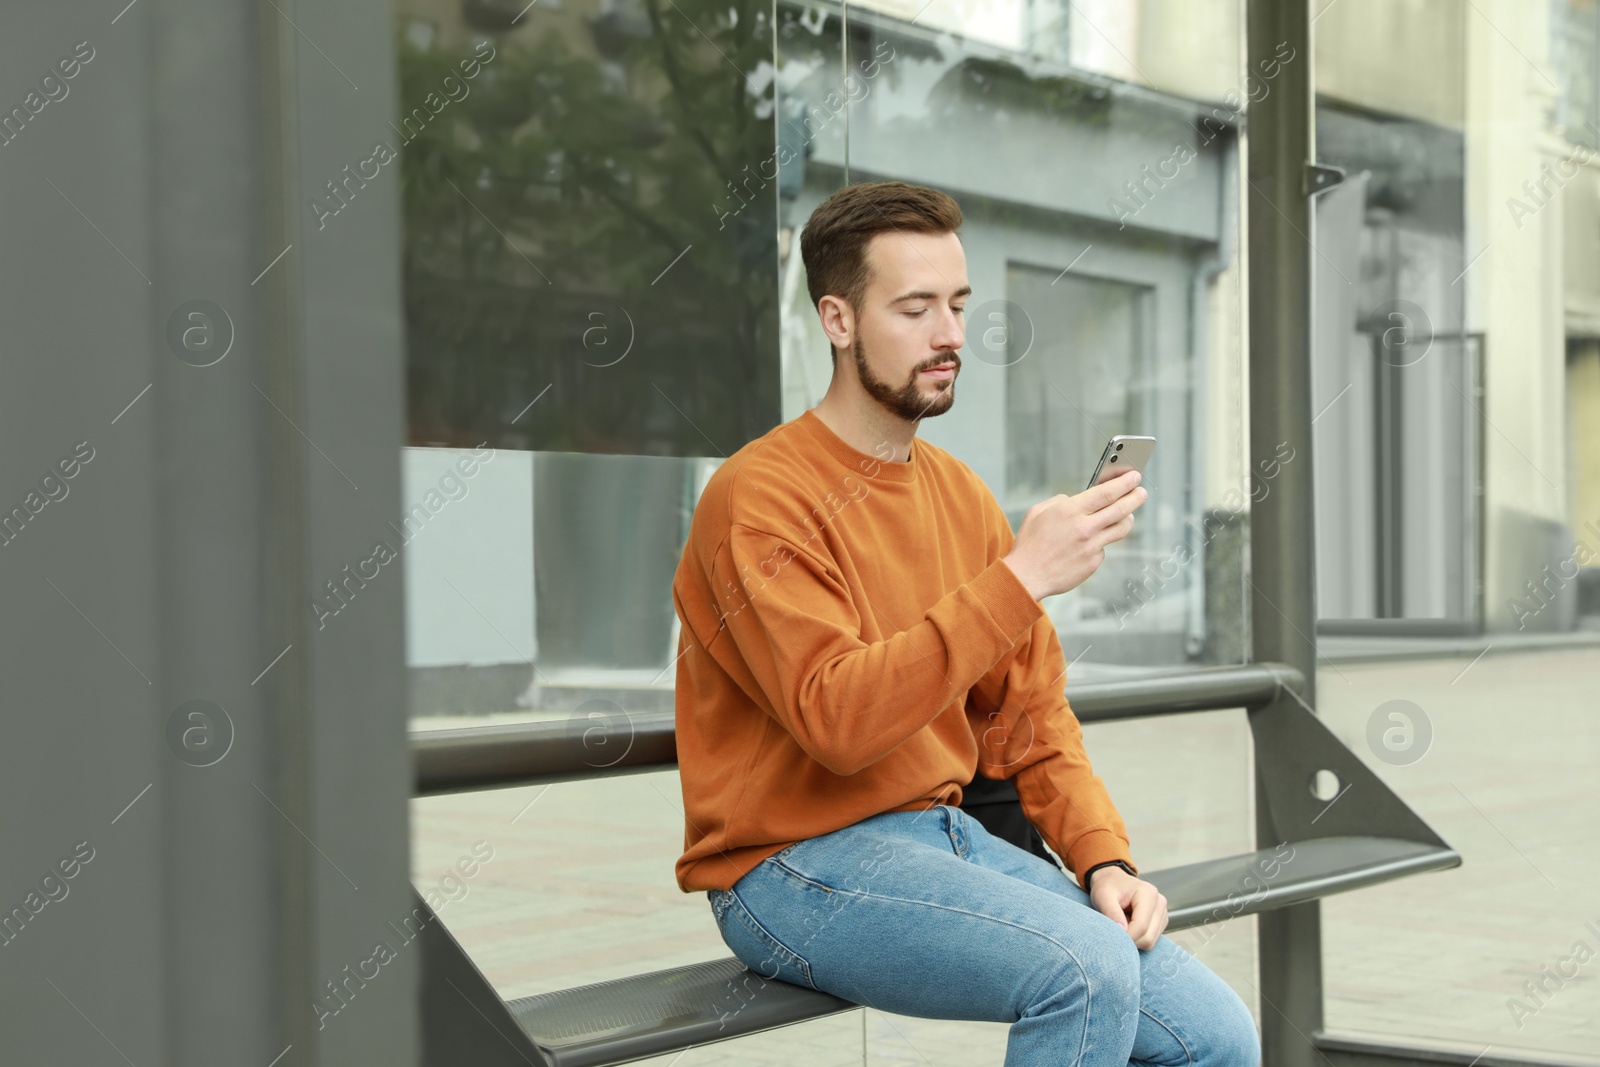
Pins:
x: 924, y: 294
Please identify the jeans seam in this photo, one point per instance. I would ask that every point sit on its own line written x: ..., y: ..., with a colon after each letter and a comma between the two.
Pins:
x: 958, y: 838
x: 796, y: 874
x: 763, y: 933
x: 1159, y: 1021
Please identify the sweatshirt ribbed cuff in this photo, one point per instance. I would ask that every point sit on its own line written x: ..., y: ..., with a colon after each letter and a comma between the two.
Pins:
x: 1011, y: 606
x: 1097, y: 846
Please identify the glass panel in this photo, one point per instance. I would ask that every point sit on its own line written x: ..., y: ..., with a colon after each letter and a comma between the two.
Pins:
x: 1101, y: 234
x: 1457, y: 287
x: 590, y: 270
x: 1394, y: 377
x: 1092, y: 334
x: 1094, y: 147
x: 814, y: 102
x: 586, y: 224
x: 1097, y: 187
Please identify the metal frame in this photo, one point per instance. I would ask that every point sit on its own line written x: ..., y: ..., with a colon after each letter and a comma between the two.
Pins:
x: 1372, y: 836
x: 1282, y: 548
x: 459, y: 759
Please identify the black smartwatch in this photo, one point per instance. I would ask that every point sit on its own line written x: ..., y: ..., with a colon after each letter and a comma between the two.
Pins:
x: 1089, y: 874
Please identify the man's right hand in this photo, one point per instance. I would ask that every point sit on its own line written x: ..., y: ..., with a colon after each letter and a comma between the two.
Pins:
x: 1063, y: 538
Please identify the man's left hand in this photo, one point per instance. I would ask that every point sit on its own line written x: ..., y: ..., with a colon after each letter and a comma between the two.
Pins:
x: 1132, y: 903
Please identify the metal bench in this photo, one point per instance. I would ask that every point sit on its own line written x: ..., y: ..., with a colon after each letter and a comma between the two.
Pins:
x: 1363, y: 836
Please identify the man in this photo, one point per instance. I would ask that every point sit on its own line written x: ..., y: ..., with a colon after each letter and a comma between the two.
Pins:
x: 861, y: 635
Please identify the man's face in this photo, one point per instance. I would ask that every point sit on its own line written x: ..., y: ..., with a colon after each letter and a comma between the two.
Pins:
x: 911, y: 321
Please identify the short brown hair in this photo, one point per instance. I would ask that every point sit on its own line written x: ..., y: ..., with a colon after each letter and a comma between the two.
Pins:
x: 833, y: 245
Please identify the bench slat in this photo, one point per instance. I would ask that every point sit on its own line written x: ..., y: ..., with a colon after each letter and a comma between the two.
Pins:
x: 649, y: 1014
x: 1243, y: 885
x: 665, y: 1011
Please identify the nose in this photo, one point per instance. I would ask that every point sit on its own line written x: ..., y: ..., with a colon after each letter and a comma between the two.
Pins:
x: 950, y: 334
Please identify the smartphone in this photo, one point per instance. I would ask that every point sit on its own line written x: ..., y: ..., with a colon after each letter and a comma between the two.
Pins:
x: 1122, y: 452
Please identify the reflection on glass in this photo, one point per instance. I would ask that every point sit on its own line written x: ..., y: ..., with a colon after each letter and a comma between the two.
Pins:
x: 1094, y: 150
x: 1089, y: 334
x: 1101, y: 226
x: 588, y: 224
x: 1397, y: 455
x: 1091, y: 368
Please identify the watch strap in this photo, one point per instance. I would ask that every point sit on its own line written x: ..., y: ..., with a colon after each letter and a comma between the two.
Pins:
x: 1089, y: 874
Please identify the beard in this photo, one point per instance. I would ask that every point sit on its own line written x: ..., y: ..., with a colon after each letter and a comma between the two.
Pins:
x: 908, y: 401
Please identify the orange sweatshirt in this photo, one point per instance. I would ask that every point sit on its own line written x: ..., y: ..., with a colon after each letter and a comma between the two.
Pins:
x: 853, y: 643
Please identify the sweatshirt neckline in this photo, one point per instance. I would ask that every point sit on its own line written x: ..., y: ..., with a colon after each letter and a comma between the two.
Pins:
x: 860, y: 463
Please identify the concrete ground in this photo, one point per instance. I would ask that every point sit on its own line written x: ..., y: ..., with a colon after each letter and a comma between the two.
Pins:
x: 580, y: 887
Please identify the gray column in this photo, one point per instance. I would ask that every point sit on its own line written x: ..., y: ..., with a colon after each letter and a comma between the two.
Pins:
x: 206, y: 777
x: 1282, y: 572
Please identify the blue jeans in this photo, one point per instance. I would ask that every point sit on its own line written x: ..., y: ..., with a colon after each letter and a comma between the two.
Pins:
x: 924, y: 913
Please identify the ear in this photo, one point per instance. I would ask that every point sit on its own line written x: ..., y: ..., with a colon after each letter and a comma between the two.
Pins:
x: 838, y: 320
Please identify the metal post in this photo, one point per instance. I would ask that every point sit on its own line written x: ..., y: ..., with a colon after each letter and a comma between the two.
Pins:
x: 1282, y: 600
